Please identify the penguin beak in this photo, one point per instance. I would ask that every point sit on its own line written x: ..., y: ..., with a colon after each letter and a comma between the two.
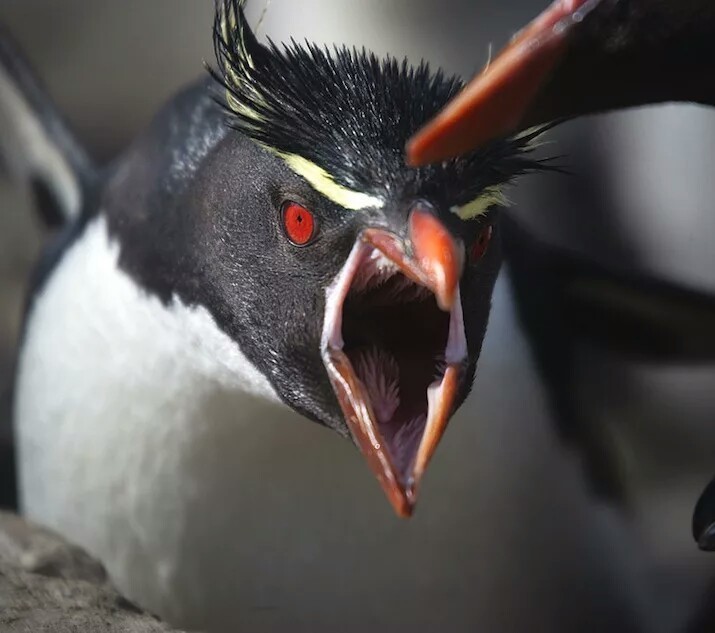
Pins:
x: 395, y: 349
x: 496, y: 102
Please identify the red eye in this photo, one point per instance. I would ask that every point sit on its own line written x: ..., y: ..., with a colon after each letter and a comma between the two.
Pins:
x: 298, y: 223
x: 480, y: 245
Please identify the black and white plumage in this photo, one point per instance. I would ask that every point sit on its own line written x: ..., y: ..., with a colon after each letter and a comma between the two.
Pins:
x: 50, y: 160
x: 177, y: 338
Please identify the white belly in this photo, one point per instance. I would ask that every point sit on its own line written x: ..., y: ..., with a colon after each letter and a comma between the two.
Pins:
x: 139, y: 439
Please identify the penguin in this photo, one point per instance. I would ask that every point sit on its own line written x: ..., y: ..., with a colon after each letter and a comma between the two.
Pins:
x: 260, y: 258
x: 580, y: 57
x: 584, y: 57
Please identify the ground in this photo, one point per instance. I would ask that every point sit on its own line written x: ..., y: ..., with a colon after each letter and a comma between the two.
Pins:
x: 48, y: 585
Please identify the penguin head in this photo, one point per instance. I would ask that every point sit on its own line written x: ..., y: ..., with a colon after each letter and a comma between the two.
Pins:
x: 358, y: 285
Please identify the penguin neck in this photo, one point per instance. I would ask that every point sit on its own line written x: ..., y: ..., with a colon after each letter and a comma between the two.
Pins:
x: 188, y: 334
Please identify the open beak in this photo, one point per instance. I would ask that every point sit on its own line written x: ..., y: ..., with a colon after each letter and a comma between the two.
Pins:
x: 495, y: 102
x: 395, y: 348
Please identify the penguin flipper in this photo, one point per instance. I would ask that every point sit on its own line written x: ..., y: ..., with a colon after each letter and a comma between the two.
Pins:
x: 563, y: 300
x: 643, y: 318
x: 536, y: 276
x: 35, y: 142
x: 637, y: 316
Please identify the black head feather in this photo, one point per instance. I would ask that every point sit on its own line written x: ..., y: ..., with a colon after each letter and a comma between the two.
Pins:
x: 348, y: 112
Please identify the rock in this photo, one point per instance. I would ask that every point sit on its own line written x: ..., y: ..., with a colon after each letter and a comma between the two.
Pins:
x: 48, y: 585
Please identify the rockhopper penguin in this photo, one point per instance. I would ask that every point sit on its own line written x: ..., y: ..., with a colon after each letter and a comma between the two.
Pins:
x: 261, y: 251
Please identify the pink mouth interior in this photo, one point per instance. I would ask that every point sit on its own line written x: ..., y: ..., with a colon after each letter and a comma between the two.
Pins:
x: 395, y: 336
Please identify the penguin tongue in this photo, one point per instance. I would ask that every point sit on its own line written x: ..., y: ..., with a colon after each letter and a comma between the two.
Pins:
x: 401, y: 414
x: 394, y: 358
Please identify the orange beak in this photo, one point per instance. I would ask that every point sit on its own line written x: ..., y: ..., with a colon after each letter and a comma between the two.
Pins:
x: 429, y: 262
x: 496, y: 102
x: 437, y: 256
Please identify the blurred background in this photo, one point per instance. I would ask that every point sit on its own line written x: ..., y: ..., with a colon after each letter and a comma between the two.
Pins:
x: 551, y: 557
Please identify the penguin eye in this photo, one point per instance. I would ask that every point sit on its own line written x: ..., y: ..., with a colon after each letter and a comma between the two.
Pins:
x: 298, y: 223
x: 480, y: 245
